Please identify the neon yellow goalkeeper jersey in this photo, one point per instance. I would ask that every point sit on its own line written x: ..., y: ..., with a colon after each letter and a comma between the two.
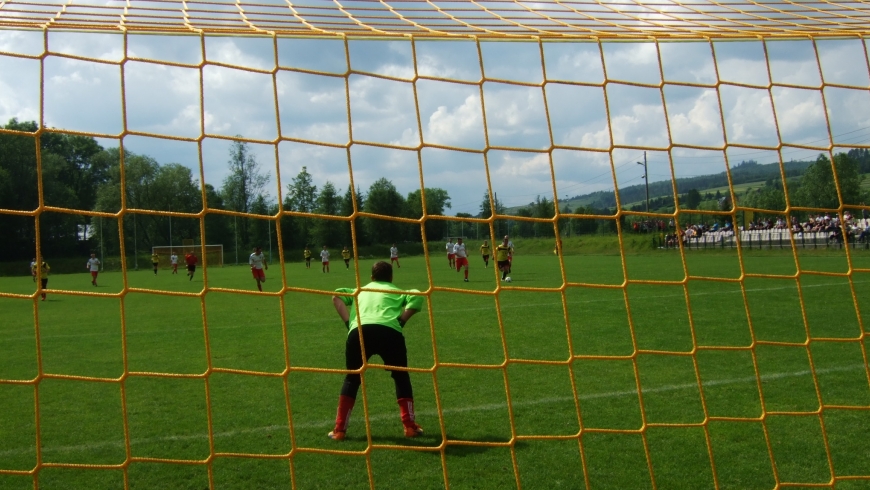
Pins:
x: 380, y: 308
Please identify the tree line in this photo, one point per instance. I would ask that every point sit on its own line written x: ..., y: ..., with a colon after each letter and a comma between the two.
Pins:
x: 80, y: 175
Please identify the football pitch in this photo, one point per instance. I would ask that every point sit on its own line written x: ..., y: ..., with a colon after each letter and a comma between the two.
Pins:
x: 708, y: 383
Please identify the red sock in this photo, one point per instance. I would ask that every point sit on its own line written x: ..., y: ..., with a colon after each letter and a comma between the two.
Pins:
x: 342, y: 416
x: 406, y: 408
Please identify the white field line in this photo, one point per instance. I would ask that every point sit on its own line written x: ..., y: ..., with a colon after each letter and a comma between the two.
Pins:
x: 328, y: 423
x: 322, y: 320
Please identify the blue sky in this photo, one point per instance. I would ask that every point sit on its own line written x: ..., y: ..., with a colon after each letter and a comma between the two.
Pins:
x: 165, y: 100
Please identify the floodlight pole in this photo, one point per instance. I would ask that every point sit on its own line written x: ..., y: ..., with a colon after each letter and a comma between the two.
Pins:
x: 135, y: 245
x: 102, y: 265
x: 170, y: 228
x: 646, y: 180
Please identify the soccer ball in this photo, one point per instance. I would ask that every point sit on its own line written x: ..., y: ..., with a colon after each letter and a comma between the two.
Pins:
x: 507, y: 279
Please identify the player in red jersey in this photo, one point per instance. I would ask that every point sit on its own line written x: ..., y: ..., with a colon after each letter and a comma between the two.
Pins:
x: 191, y: 259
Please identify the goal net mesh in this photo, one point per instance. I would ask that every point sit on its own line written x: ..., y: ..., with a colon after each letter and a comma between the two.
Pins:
x: 591, y: 31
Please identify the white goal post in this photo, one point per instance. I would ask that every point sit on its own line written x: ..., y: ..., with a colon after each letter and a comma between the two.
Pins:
x: 214, y: 254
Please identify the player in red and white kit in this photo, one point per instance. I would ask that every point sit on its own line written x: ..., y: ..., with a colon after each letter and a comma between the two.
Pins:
x: 461, y: 257
x: 258, y: 263
x: 173, y: 259
x: 450, y: 255
x: 324, y: 259
x: 93, y: 265
x: 394, y: 256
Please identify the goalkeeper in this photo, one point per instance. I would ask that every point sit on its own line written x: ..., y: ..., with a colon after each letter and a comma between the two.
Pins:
x: 382, y: 316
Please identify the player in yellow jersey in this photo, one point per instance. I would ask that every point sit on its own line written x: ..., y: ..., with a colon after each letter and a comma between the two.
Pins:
x: 155, y: 261
x: 484, y: 252
x: 44, y: 270
x: 307, y: 254
x: 345, y: 254
x: 502, y: 258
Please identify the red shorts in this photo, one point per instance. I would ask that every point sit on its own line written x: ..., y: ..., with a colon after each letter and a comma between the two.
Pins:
x: 94, y: 273
x: 450, y: 256
x: 392, y: 259
x: 325, y: 263
x: 460, y: 261
x: 258, y: 274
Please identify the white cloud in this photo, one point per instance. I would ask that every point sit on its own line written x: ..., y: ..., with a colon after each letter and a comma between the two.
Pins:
x: 801, y: 116
x: 383, y: 110
x: 748, y: 116
x: 82, y: 96
x: 637, y: 117
x: 452, y: 126
x: 697, y: 122
x: 19, y: 95
x: 742, y: 62
x: 632, y: 61
x: 515, y: 116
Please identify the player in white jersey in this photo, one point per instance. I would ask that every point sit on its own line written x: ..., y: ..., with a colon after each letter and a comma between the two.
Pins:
x: 173, y: 259
x: 93, y: 265
x: 450, y: 255
x: 258, y: 263
x: 324, y: 259
x: 461, y: 256
x: 394, y: 256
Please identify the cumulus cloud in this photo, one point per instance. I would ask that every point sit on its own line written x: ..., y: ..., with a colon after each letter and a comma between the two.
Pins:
x: 451, y: 114
x: 843, y: 61
x: 632, y: 61
x: 688, y: 62
x: 637, y: 116
x: 165, y: 100
x: 742, y: 62
x: 313, y: 107
x: 176, y: 112
x: 82, y: 96
x: 748, y: 116
x: 793, y: 62
x: 573, y: 62
x: 515, y: 116
x: 695, y: 121
x: 383, y: 110
x: 801, y: 116
x: 239, y: 102
x: 455, y: 60
x: 19, y: 95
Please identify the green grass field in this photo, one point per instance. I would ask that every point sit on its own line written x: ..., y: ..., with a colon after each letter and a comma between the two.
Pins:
x: 508, y: 393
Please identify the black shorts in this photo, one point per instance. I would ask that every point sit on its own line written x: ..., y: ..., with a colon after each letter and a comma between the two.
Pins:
x: 504, y: 264
x: 386, y: 342
x: 191, y: 268
x: 44, y: 281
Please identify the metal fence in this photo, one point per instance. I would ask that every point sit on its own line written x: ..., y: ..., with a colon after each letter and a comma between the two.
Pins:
x: 763, y: 239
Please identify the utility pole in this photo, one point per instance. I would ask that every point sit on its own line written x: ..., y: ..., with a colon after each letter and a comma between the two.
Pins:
x: 135, y: 244
x: 102, y: 264
x: 646, y: 179
x: 170, y: 229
